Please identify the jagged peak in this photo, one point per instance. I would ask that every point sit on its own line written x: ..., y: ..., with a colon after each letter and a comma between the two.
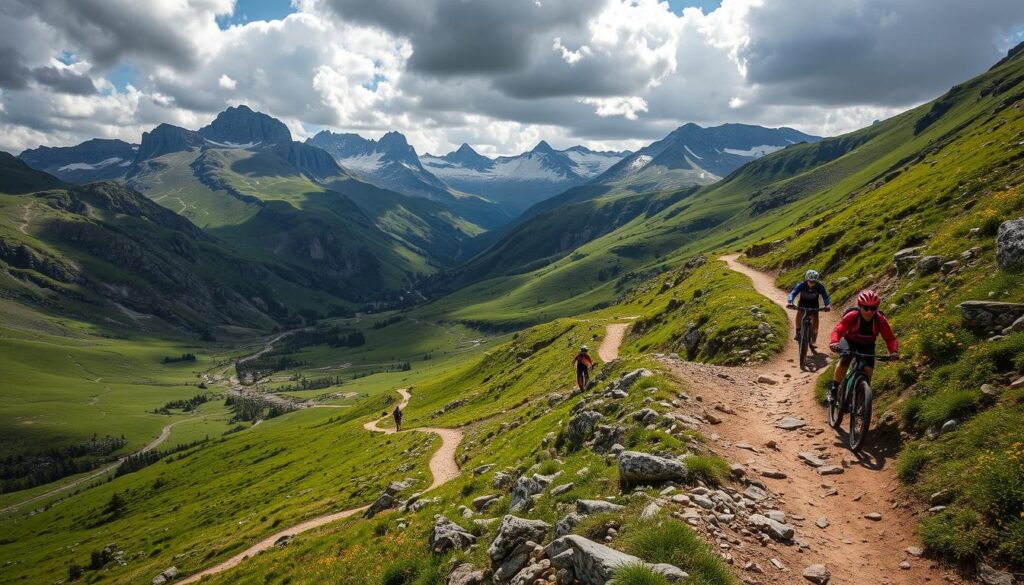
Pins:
x: 542, y: 147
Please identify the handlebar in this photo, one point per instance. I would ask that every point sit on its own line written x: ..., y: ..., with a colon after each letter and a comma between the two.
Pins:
x: 884, y: 358
x: 809, y: 309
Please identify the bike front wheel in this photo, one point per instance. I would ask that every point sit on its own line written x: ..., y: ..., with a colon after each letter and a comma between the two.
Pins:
x: 835, y: 408
x: 860, y: 414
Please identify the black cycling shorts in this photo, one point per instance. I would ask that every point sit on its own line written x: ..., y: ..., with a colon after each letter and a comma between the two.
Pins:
x: 847, y: 345
x: 581, y: 368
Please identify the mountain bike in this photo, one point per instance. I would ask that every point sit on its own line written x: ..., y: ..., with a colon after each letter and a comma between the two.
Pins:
x: 854, y: 395
x: 583, y: 378
x: 806, y: 331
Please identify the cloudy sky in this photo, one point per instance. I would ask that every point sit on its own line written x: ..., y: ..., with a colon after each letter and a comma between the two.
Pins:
x: 498, y: 74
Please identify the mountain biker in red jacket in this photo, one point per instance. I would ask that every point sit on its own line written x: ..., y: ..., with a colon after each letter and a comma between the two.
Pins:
x: 583, y: 363
x: 856, y: 332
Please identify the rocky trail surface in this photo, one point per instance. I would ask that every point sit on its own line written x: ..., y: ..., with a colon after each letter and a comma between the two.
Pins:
x: 848, y: 510
x: 443, y: 468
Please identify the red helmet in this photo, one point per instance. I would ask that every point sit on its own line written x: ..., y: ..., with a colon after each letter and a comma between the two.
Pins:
x: 868, y: 298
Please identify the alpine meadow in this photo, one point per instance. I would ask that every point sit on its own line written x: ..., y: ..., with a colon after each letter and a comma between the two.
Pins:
x: 469, y: 292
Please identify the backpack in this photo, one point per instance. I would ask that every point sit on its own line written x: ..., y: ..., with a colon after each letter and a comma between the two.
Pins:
x: 874, y: 322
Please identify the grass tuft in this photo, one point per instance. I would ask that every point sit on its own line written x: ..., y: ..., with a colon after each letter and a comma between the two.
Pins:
x: 675, y: 543
x: 711, y: 469
x: 638, y: 574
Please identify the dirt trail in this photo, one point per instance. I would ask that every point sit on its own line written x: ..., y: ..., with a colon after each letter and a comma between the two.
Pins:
x: 856, y: 550
x: 164, y: 434
x: 609, y: 349
x: 442, y: 467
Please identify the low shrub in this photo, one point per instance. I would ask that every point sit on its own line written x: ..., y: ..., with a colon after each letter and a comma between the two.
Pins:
x: 675, y: 543
x: 911, y: 463
x: 943, y: 406
x: 957, y: 534
x: 638, y: 574
x: 710, y: 469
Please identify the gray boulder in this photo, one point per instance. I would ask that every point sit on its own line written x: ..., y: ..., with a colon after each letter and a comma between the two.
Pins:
x: 605, y: 437
x: 466, y: 574
x: 567, y: 523
x: 511, y: 548
x: 594, y: 563
x: 990, y: 576
x: 521, y: 492
x: 1010, y: 244
x: 581, y: 426
x: 646, y: 416
x: 387, y: 498
x: 817, y: 574
x: 502, y: 480
x: 773, y: 528
x: 638, y: 468
x: 448, y: 536
x: 929, y: 264
x: 692, y: 337
x: 596, y: 507
x: 165, y: 576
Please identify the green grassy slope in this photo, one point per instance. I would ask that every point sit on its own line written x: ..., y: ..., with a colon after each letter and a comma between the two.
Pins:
x: 760, y: 199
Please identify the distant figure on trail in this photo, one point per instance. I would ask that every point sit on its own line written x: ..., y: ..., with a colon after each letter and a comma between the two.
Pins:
x: 397, y: 413
x: 805, y: 295
x: 583, y: 363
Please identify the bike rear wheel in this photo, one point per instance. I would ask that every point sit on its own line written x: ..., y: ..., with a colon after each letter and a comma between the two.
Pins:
x: 860, y: 414
x: 805, y: 342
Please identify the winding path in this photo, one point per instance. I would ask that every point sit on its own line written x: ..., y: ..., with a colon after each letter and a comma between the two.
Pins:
x: 609, y: 349
x: 853, y: 548
x: 442, y: 467
x: 164, y: 434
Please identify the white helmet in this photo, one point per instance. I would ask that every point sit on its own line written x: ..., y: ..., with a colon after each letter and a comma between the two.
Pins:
x: 812, y: 275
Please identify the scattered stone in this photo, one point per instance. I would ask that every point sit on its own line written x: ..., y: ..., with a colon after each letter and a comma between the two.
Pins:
x: 567, y: 523
x: 949, y: 426
x: 821, y: 522
x: 777, y: 530
x: 929, y: 264
x: 521, y: 492
x: 991, y: 576
x: 737, y: 471
x: 817, y: 574
x: 762, y: 379
x: 650, y: 511
x: 940, y: 498
x: 873, y: 516
x: 990, y: 316
x: 559, y: 490
x: 466, y: 574
x: 386, y: 499
x: 905, y: 565
x: 596, y: 507
x: 502, y: 481
x: 755, y: 493
x: 773, y: 474
x: 448, y: 536
x: 165, y: 576
x: 593, y: 563
x: 778, y: 564
x: 638, y: 468
x: 284, y: 540
x: 703, y: 501
x: 581, y: 426
x: 771, y: 444
x: 511, y: 548
x: 811, y: 459
x: 790, y: 423
x: 482, y: 502
x: 1015, y: 327
x: 914, y: 551
x: 830, y: 470
x: 482, y: 469
x: 646, y: 416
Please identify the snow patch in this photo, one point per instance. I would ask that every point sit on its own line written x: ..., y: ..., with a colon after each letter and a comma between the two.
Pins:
x: 364, y: 163
x: 232, y: 144
x: 695, y: 155
x: 95, y: 166
x: 756, y: 152
x: 591, y: 164
x: 640, y: 162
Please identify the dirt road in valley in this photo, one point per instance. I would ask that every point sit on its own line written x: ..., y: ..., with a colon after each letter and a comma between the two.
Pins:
x: 749, y: 401
x: 164, y: 434
x: 442, y: 467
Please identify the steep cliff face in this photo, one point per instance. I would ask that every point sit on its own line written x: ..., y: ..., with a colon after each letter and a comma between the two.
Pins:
x: 240, y: 125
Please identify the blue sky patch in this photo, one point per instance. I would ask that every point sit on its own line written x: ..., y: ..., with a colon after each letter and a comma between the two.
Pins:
x: 250, y: 10
x: 707, y: 6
